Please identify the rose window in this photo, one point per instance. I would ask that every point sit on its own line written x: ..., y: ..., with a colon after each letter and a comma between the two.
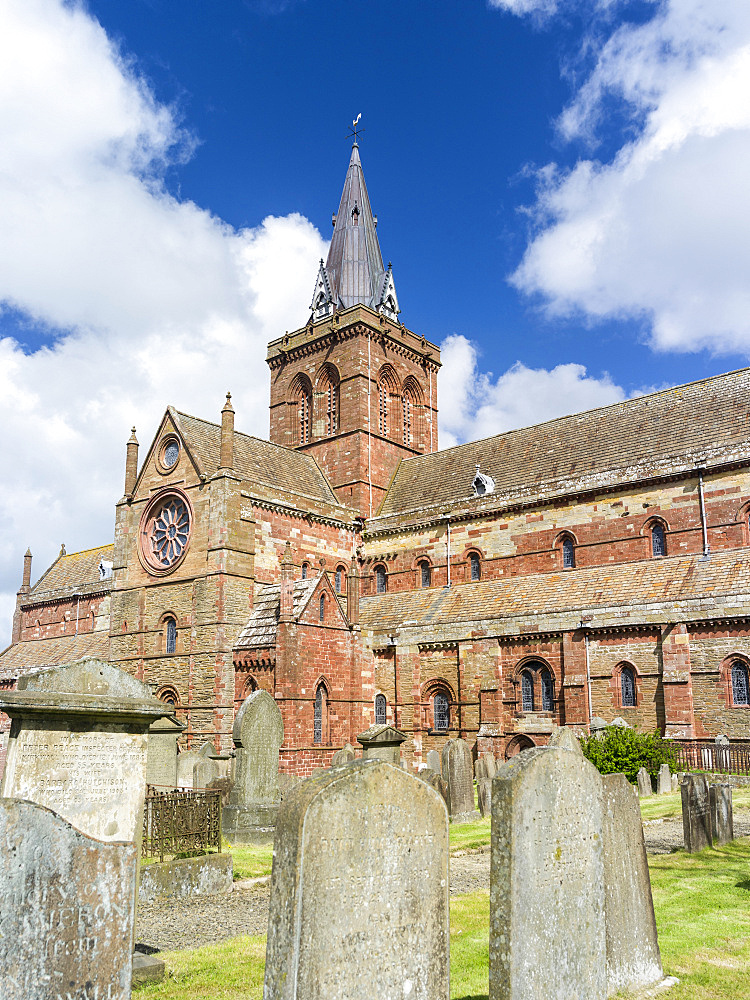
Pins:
x: 166, y: 532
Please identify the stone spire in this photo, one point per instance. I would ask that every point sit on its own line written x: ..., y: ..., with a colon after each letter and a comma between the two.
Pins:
x: 354, y: 272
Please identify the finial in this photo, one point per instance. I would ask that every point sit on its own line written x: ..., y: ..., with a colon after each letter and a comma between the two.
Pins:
x: 228, y: 404
x: 132, y: 439
x: 354, y: 132
x: 62, y: 550
x: 27, y: 554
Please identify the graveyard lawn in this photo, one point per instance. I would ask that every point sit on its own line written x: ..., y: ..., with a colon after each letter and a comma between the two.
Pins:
x: 670, y: 806
x: 702, y: 906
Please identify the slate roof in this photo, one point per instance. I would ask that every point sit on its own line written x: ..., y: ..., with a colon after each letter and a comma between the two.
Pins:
x: 74, y: 571
x: 38, y: 653
x: 280, y: 470
x: 649, y: 590
x: 662, y: 434
x: 260, y: 630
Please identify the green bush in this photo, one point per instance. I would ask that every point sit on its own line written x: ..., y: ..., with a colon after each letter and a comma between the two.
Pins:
x: 625, y: 750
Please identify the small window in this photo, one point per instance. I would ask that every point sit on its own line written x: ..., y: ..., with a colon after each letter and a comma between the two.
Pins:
x: 425, y: 574
x: 320, y: 705
x: 380, y: 710
x: 475, y: 569
x: 527, y: 692
x: 340, y: 574
x: 380, y: 580
x: 658, y: 541
x: 548, y: 700
x: 627, y: 687
x: 740, y: 686
x: 305, y: 568
x: 568, y: 553
x: 322, y: 607
x: 441, y: 711
x: 171, y: 635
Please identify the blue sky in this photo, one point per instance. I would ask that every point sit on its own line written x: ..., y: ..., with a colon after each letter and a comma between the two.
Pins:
x: 560, y: 184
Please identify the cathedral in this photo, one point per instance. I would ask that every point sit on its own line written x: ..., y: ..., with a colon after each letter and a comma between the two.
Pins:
x: 596, y: 566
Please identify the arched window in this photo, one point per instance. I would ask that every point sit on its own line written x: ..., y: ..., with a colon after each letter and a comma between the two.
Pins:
x: 322, y: 607
x: 568, y: 553
x: 170, y: 635
x: 548, y: 696
x: 383, y: 409
x: 475, y: 567
x: 527, y: 692
x: 380, y: 710
x: 332, y: 409
x: 387, y: 388
x: 305, y: 569
x: 740, y: 686
x: 425, y: 574
x: 168, y: 695
x: 381, y: 580
x: 441, y: 711
x: 658, y: 540
x: 340, y: 578
x: 321, y: 709
x: 408, y: 408
x: 304, y: 406
x: 627, y: 687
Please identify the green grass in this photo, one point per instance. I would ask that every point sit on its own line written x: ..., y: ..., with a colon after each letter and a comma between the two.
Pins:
x: 670, y: 806
x: 467, y: 836
x: 250, y: 861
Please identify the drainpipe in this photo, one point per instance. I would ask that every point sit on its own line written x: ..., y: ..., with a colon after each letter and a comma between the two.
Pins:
x: 369, y: 420
x: 702, y: 502
x: 448, y: 549
x: 392, y: 642
x: 585, y: 627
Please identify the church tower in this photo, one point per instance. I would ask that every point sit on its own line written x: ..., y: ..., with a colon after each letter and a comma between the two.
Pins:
x: 354, y: 387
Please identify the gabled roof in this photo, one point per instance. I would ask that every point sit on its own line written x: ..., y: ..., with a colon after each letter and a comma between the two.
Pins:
x: 35, y: 654
x: 260, y: 631
x: 73, y: 571
x: 663, y: 434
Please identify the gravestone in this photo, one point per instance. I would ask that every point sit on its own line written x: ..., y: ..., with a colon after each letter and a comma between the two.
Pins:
x: 479, y: 769
x: 664, y: 781
x: 433, y: 761
x: 484, y: 795
x: 644, y: 783
x: 722, y: 814
x: 67, y: 903
x: 343, y: 756
x: 490, y: 765
x: 161, y: 754
x: 547, y: 937
x: 254, y: 800
x: 359, y: 890
x: 382, y: 743
x: 597, y: 727
x: 563, y: 738
x: 186, y: 762
x: 458, y: 772
x: 696, y: 813
x: 633, y: 958
x: 675, y: 783
x: 204, y: 772
x: 79, y: 734
x: 436, y: 781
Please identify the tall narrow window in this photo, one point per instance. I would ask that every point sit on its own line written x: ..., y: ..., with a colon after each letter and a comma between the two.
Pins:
x: 627, y: 687
x: 740, y: 686
x: 380, y: 710
x: 303, y: 411
x: 527, y: 692
x: 320, y: 708
x: 340, y: 574
x: 322, y: 607
x: 548, y: 701
x: 425, y: 574
x: 441, y: 711
x: 305, y: 568
x: 171, y: 641
x: 475, y: 569
x: 407, y: 407
x: 658, y: 541
x: 332, y: 409
x: 383, y: 409
x: 568, y: 553
x: 380, y: 580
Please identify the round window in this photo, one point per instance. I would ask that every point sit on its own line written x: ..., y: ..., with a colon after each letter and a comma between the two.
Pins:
x: 165, y: 531
x: 170, y: 453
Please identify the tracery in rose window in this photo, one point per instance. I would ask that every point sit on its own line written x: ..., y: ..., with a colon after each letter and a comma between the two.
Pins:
x: 169, y: 532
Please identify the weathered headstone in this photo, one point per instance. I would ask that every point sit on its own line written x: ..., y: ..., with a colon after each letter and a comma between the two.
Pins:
x: 722, y: 813
x: 343, y: 756
x: 696, y: 813
x: 675, y: 783
x: 186, y: 762
x: 382, y: 743
x: 479, y: 769
x: 161, y: 754
x: 633, y: 958
x: 563, y: 738
x: 597, y: 727
x: 204, y: 772
x: 459, y: 773
x: 547, y: 936
x: 67, y: 903
x: 644, y: 783
x: 433, y: 761
x: 78, y: 745
x: 359, y: 891
x: 664, y: 780
x: 436, y: 781
x: 490, y: 765
x: 254, y: 800
x: 620, y: 723
x: 484, y: 795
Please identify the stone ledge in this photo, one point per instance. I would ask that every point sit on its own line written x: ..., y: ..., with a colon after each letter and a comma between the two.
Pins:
x: 186, y: 878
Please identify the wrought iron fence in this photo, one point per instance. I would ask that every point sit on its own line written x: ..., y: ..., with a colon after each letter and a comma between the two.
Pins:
x: 179, y: 821
x: 696, y: 755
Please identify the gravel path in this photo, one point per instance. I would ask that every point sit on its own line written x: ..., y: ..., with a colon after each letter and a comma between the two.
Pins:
x: 190, y: 924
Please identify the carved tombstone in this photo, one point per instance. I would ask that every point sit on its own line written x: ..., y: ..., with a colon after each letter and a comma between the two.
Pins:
x: 458, y: 772
x: 359, y: 891
x: 382, y: 743
x: 547, y: 935
x: 67, y: 904
x: 722, y: 813
x: 644, y: 783
x: 161, y: 756
x: 254, y: 800
x: 664, y: 780
x: 484, y: 795
x: 344, y: 756
x: 434, y: 762
x: 696, y: 813
x: 436, y: 781
x: 186, y: 762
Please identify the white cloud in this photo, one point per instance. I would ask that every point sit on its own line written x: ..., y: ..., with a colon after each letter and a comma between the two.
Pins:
x: 474, y: 405
x: 658, y: 232
x: 162, y: 302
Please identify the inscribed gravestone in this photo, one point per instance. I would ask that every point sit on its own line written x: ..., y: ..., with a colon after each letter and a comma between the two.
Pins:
x: 382, y: 743
x: 490, y: 765
x: 547, y: 879
x: 484, y: 795
x: 359, y: 891
x: 186, y: 762
x: 161, y: 755
x: 78, y: 745
x: 436, y: 781
x: 564, y: 738
x: 644, y: 783
x: 343, y: 756
x: 204, y: 772
x: 696, y: 813
x: 458, y: 772
x: 633, y: 958
x: 664, y: 780
x: 722, y: 814
x: 67, y: 904
x: 434, y: 762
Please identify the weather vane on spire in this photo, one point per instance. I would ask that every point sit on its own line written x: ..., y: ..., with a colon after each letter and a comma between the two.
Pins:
x: 354, y: 131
